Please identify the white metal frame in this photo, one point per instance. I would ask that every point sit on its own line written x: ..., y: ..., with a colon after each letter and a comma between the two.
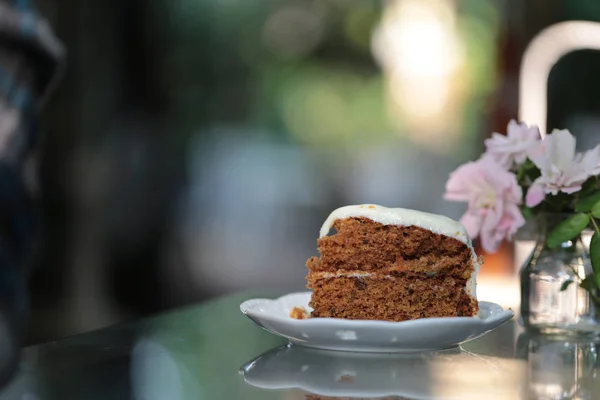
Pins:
x: 542, y: 53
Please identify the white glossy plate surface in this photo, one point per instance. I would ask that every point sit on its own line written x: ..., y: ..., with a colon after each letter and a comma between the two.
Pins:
x: 370, y: 336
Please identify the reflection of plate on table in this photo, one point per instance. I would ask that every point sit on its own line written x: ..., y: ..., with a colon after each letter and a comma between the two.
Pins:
x: 371, y: 336
x: 449, y: 374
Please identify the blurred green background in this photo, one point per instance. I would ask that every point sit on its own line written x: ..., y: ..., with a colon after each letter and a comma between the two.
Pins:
x: 194, y: 147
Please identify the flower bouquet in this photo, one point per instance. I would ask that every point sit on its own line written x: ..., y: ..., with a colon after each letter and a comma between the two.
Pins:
x: 521, y: 175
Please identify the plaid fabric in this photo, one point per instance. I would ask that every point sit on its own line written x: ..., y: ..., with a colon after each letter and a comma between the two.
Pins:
x: 30, y: 60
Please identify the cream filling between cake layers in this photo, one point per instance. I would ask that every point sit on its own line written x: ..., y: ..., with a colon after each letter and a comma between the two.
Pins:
x: 438, y: 224
x: 344, y: 274
x: 348, y: 274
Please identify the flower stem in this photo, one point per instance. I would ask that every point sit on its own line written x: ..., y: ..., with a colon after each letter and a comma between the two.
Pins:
x: 575, y: 272
x: 594, y: 223
x: 593, y: 295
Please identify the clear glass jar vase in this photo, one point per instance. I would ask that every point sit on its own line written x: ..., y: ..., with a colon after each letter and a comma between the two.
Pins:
x: 544, y: 306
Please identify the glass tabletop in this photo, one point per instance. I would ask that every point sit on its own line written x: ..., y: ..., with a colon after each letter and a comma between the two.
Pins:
x: 212, y: 351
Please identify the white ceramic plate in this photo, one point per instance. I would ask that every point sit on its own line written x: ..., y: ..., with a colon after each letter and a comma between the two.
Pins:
x: 370, y: 336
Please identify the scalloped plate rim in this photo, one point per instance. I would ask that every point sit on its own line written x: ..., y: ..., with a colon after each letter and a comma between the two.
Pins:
x: 248, y: 308
x: 370, y: 335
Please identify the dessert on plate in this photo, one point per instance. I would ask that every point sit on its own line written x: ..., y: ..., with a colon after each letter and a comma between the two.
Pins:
x: 392, y: 264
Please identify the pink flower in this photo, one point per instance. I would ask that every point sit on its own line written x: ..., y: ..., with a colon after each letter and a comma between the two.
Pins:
x: 493, y: 196
x: 590, y: 161
x: 561, y: 170
x: 512, y: 148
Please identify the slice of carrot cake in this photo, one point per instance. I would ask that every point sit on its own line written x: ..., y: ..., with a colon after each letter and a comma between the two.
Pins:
x: 392, y: 264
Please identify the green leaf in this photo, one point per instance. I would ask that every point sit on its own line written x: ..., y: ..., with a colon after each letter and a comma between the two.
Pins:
x: 527, y: 172
x: 527, y: 213
x: 527, y: 165
x: 589, y: 187
x: 533, y: 174
x: 586, y: 203
x: 565, y: 285
x: 595, y: 256
x: 568, y: 229
x: 596, y: 210
x: 588, y: 284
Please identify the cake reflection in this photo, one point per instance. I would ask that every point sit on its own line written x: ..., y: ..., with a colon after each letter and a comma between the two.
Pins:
x: 324, y: 374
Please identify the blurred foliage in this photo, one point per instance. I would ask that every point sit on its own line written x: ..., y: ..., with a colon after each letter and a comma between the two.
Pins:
x: 478, y: 24
x: 302, y: 70
x: 323, y: 106
x: 586, y: 10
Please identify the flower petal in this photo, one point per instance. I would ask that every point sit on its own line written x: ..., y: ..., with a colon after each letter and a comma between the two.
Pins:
x: 493, y: 196
x: 562, y: 148
x: 590, y: 161
x: 472, y: 223
x: 535, y: 194
x: 457, y: 186
x: 514, y: 219
x: 490, y: 241
x: 511, y: 149
x: 537, y: 154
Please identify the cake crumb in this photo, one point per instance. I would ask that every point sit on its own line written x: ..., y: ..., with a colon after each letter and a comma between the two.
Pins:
x: 299, y: 313
x: 346, y: 378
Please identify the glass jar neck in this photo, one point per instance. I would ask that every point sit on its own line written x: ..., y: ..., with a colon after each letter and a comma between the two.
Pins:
x: 546, y: 222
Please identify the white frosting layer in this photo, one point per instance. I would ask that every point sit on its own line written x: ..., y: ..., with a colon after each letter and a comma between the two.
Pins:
x: 399, y: 216
x: 346, y: 274
x: 403, y: 217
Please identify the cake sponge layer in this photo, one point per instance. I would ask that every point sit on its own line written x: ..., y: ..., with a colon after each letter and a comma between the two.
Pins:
x: 364, y: 245
x: 392, y: 298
